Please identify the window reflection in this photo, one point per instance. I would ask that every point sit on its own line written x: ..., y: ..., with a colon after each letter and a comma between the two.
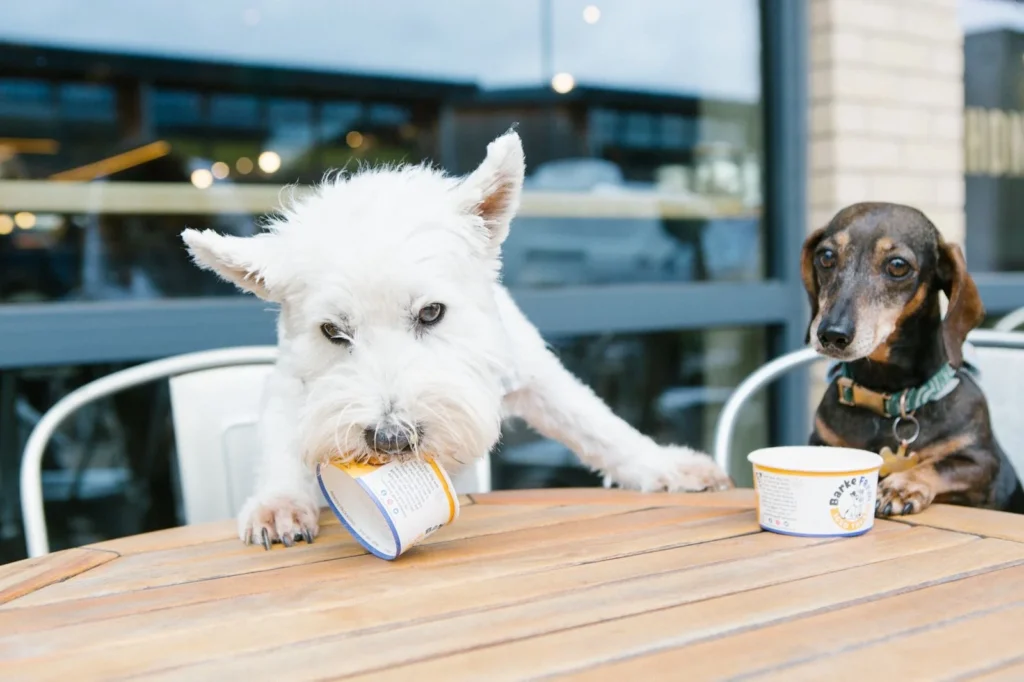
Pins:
x: 108, y: 471
x: 681, y: 141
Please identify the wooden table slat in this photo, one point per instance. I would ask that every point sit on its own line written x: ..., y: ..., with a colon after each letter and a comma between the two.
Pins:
x: 26, y: 577
x: 348, y: 639
x: 878, y: 610
x: 228, y: 556
x: 580, y: 583
x: 619, y: 535
x: 946, y: 651
x: 1012, y: 671
x: 657, y: 641
x: 985, y: 522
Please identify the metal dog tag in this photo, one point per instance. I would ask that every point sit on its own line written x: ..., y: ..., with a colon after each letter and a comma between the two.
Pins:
x: 901, y: 460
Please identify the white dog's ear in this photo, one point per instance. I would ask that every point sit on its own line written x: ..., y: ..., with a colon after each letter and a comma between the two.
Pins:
x: 493, y: 190
x: 243, y: 261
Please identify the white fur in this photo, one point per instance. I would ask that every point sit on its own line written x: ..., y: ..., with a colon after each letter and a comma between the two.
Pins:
x: 366, y: 253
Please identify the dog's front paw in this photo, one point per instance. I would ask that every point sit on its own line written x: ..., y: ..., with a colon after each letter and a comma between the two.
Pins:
x: 902, y: 493
x: 278, y: 518
x: 673, y: 469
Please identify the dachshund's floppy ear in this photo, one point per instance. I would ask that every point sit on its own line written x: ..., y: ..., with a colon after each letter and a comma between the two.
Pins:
x: 965, y: 310
x: 807, y: 275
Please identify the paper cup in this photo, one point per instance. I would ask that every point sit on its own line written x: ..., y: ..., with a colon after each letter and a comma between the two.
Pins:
x: 815, y: 491
x: 390, y: 507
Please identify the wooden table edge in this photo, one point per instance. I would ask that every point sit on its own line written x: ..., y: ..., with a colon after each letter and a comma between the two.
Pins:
x: 742, y: 498
x: 49, y: 569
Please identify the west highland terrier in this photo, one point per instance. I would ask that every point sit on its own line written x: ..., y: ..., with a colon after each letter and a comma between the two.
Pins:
x: 396, y: 337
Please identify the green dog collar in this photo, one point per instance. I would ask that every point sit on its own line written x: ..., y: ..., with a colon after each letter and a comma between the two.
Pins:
x: 900, y: 404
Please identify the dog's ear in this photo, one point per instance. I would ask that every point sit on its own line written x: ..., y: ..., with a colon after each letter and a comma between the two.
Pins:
x: 243, y: 261
x: 807, y: 275
x: 965, y: 310
x: 493, y: 190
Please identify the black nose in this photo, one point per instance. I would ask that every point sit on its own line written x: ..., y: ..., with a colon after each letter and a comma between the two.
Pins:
x: 835, y: 334
x: 390, y: 439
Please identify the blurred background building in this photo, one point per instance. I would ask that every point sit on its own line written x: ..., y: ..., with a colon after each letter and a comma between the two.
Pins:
x: 678, y: 152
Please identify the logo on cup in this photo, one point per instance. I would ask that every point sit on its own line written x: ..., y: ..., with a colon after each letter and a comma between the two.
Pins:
x: 850, y: 503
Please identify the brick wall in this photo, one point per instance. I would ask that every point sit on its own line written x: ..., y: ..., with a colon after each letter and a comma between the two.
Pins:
x: 886, y: 98
x: 886, y: 91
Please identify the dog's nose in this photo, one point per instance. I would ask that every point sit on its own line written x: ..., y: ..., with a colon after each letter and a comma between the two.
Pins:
x: 835, y: 335
x: 389, y: 439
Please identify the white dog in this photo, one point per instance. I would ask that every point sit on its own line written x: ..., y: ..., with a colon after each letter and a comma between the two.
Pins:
x: 396, y: 337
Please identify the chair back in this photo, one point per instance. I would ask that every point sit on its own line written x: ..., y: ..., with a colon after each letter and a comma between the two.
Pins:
x: 216, y: 412
x: 1001, y: 379
x: 999, y: 355
x: 215, y: 403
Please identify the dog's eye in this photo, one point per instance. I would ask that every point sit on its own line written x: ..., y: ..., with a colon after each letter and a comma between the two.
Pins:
x: 334, y: 334
x: 897, y: 268
x: 827, y: 259
x: 431, y: 314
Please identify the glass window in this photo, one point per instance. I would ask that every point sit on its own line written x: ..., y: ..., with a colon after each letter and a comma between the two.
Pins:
x: 643, y: 164
x: 994, y: 134
x: 642, y: 127
x: 108, y: 473
x: 669, y: 385
x: 87, y: 102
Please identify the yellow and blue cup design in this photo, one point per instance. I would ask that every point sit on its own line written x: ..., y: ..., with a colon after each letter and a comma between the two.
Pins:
x: 389, y: 508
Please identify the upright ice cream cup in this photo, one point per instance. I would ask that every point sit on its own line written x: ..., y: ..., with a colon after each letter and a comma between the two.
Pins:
x: 815, y: 491
x: 391, y: 507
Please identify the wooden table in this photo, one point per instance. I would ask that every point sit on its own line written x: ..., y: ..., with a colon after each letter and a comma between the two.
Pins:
x: 584, y: 583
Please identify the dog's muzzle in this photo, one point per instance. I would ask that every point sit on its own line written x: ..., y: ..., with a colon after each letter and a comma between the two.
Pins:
x: 391, y: 439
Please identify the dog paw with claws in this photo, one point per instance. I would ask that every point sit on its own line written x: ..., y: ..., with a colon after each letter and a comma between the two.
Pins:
x: 673, y: 469
x: 280, y: 518
x: 902, y: 493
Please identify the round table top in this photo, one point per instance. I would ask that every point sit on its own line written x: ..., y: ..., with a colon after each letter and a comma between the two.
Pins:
x: 583, y: 583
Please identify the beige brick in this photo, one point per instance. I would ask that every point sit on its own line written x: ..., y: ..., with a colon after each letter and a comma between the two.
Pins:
x: 863, y: 84
x: 887, y: 117
x: 821, y: 48
x: 849, y: 188
x: 889, y: 51
x: 821, y: 186
x: 935, y: 26
x: 849, y: 118
x: 821, y: 215
x: 820, y: 85
x: 946, y: 61
x: 947, y: 125
x: 822, y: 157
x: 930, y: 91
x: 898, y: 121
x: 949, y: 221
x: 902, y: 188
x: 950, y: 192
x: 931, y: 157
x: 847, y: 46
x: 820, y: 13
x: 870, y: 14
x: 821, y: 119
x: 866, y: 153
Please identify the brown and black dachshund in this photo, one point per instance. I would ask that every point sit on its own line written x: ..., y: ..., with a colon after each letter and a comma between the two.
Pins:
x: 873, y: 276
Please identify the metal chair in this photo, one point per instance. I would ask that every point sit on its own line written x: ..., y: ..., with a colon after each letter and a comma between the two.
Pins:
x: 1010, y: 321
x: 215, y: 403
x: 995, y: 353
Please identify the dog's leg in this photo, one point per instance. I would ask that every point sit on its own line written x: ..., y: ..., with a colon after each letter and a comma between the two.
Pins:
x: 949, y: 468
x: 284, y: 507
x: 555, y: 403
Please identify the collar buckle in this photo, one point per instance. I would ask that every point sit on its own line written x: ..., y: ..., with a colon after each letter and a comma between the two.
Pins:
x: 855, y: 395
